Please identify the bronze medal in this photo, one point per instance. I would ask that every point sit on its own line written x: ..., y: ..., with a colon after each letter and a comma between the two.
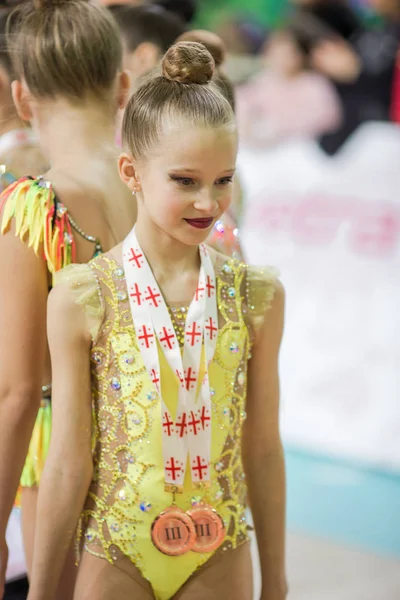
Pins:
x: 173, y: 532
x: 209, y: 527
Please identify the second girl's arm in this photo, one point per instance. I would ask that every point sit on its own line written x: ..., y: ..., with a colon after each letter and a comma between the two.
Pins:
x: 23, y: 297
x: 68, y: 470
x: 263, y: 454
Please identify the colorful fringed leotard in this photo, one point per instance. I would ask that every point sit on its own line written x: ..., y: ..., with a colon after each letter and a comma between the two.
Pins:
x: 44, y: 223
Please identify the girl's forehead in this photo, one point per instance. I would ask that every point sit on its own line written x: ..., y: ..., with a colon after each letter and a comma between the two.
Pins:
x: 191, y: 141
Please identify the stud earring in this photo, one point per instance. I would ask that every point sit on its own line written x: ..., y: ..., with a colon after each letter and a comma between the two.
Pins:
x: 134, y: 192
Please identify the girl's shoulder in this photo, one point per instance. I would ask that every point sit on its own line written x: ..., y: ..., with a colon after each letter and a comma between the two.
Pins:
x: 39, y: 219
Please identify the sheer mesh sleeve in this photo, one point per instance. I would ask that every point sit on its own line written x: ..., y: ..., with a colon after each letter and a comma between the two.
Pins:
x: 82, y: 283
x: 260, y: 286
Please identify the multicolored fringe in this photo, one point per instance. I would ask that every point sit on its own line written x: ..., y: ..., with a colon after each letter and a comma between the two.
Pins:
x: 45, y: 225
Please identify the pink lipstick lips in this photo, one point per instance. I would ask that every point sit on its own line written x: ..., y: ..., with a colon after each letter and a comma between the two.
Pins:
x: 200, y: 223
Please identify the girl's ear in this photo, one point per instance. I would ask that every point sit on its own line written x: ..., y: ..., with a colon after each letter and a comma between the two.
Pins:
x: 124, y: 86
x: 128, y: 172
x: 21, y: 98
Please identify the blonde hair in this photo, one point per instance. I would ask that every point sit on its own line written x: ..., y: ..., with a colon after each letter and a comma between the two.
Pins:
x: 184, y: 90
x: 67, y: 48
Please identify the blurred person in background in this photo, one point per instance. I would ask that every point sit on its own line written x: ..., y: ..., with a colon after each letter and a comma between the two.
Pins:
x: 147, y: 33
x: 19, y: 152
x: 390, y: 11
x: 184, y: 9
x: 244, y: 39
x: 72, y: 101
x: 287, y: 99
x: 360, y: 61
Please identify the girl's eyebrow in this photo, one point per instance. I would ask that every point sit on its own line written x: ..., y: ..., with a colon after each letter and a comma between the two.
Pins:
x: 194, y: 171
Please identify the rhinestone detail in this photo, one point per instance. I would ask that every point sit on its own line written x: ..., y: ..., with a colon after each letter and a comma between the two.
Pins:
x: 97, y: 358
x: 196, y: 500
x: 115, y: 384
x: 219, y: 226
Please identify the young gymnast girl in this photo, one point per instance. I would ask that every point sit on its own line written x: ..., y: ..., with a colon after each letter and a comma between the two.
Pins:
x: 165, y: 376
x: 79, y: 208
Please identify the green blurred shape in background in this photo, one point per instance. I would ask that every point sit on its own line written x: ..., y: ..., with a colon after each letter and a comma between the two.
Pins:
x: 266, y: 12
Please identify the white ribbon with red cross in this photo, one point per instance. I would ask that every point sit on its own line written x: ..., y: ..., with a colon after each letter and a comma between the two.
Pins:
x: 190, y: 432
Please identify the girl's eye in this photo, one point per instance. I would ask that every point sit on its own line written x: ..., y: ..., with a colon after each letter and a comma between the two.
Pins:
x: 225, y: 181
x: 185, y: 181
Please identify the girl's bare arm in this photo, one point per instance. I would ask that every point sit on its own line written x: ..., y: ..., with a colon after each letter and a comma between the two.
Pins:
x: 68, y: 470
x: 23, y: 298
x: 262, y: 451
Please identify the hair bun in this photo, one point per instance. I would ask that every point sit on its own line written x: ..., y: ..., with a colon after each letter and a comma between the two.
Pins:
x: 211, y: 41
x: 188, y: 62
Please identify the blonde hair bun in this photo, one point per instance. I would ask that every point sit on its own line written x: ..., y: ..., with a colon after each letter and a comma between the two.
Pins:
x: 210, y: 40
x: 188, y: 62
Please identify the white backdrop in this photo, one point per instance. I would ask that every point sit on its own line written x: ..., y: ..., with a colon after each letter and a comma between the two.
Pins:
x: 332, y: 227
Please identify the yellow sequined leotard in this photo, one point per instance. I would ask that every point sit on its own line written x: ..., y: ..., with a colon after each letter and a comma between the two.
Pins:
x: 127, y: 490
x: 44, y: 223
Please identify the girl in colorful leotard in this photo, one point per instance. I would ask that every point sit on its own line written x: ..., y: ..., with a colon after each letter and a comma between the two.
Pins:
x: 165, y: 376
x: 77, y: 209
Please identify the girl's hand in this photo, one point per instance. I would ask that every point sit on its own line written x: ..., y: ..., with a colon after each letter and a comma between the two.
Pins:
x: 3, y: 565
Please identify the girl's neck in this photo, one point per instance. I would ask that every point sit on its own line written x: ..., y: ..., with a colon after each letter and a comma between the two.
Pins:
x: 72, y: 137
x: 9, y: 121
x: 167, y: 257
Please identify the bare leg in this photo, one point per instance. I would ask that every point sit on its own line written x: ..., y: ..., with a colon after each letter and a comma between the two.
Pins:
x: 29, y: 499
x: 101, y: 580
x: 228, y: 575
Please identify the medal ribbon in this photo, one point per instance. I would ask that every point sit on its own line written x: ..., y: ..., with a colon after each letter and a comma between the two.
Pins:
x: 190, y: 432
